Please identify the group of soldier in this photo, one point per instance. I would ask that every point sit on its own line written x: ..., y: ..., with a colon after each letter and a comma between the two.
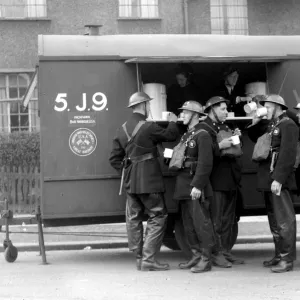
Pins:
x: 206, y: 185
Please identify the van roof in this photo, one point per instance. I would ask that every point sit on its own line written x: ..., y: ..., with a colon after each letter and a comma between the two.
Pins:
x: 169, y: 47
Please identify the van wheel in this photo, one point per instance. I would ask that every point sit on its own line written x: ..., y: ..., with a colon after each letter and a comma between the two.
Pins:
x: 181, y: 238
x: 235, y: 231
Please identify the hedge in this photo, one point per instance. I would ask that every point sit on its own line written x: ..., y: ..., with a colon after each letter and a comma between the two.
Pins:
x: 20, y: 149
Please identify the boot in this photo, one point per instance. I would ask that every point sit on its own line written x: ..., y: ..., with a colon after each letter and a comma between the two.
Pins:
x: 220, y: 261
x: 282, y: 267
x: 272, y: 262
x: 153, y: 266
x: 231, y: 258
x: 138, y: 256
x: 196, y: 256
x: 204, y: 265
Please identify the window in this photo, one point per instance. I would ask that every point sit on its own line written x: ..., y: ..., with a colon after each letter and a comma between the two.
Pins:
x: 229, y: 17
x: 13, y: 116
x: 144, y: 9
x: 22, y: 9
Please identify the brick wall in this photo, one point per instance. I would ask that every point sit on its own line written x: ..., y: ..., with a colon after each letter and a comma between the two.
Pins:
x: 274, y: 17
x: 18, y: 39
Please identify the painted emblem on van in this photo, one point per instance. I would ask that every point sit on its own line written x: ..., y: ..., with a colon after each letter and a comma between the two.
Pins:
x: 83, y: 142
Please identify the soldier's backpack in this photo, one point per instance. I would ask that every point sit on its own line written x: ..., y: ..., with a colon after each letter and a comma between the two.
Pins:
x: 233, y: 151
x: 178, y: 156
x: 262, y: 147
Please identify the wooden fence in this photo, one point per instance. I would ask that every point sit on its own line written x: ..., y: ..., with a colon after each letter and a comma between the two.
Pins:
x: 21, y: 185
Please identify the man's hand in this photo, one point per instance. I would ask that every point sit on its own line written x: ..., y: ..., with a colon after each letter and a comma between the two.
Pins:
x: 276, y: 187
x: 172, y: 117
x: 195, y: 194
x: 226, y: 143
x: 237, y: 132
x: 256, y: 119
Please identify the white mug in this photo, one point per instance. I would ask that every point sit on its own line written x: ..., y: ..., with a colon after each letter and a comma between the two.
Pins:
x: 250, y: 107
x: 261, y: 112
x: 165, y: 115
x: 230, y: 115
x: 168, y: 153
x: 235, y: 140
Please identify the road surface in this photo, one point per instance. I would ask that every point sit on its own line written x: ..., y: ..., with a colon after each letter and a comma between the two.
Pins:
x: 111, y: 274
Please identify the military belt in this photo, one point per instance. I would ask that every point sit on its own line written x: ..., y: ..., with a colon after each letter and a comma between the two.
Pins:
x: 143, y: 157
x: 189, y: 162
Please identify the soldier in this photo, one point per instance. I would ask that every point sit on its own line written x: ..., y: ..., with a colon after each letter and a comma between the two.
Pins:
x: 135, y: 150
x: 193, y: 189
x: 225, y: 177
x: 276, y: 179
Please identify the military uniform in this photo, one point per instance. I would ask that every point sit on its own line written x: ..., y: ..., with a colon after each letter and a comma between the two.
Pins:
x: 197, y: 169
x: 143, y: 181
x: 225, y: 178
x: 280, y: 209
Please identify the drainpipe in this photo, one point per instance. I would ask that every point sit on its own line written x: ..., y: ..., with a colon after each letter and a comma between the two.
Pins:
x: 186, y: 16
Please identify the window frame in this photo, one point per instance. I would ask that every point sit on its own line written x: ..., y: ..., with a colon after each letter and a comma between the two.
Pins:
x: 225, y: 19
x: 157, y: 17
x: 9, y: 101
x: 26, y: 16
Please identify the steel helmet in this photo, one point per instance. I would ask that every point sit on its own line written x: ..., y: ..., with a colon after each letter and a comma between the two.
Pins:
x: 193, y: 106
x: 297, y: 106
x: 213, y: 101
x: 274, y: 99
x: 138, y: 97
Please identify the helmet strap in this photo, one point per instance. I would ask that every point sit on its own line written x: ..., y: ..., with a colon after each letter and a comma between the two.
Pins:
x: 215, y: 115
x: 196, y: 115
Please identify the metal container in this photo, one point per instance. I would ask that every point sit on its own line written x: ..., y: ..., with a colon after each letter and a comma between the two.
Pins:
x: 156, y: 91
x: 256, y: 88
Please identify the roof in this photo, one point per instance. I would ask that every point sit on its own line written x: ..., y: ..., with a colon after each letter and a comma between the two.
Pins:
x: 159, y: 47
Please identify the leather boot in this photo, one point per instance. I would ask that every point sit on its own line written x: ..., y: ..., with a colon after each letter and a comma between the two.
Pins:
x: 220, y: 261
x: 204, y: 265
x: 153, y: 266
x: 196, y: 256
x: 282, y: 266
x: 272, y: 262
x: 231, y: 258
x: 138, y: 256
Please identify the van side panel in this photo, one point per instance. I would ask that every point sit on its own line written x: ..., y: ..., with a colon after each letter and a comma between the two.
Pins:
x: 77, y: 179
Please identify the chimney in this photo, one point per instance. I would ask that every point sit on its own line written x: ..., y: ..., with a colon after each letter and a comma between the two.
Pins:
x: 92, y: 29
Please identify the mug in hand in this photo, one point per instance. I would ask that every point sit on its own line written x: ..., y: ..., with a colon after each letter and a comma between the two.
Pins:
x: 261, y: 112
x: 250, y: 107
x: 235, y: 140
x: 168, y: 153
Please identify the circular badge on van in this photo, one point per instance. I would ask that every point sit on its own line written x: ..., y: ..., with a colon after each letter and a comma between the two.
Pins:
x: 83, y: 141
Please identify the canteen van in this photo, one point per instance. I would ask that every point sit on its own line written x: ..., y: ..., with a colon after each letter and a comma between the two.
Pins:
x: 84, y: 83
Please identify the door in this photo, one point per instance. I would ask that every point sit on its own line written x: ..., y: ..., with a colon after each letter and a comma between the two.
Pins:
x: 82, y: 103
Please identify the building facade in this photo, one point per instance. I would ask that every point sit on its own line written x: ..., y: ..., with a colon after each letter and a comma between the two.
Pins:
x: 21, y: 21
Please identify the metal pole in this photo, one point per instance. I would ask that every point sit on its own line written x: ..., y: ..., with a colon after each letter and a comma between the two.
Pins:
x: 138, y: 76
x: 186, y: 16
x: 41, y: 236
x: 6, y: 222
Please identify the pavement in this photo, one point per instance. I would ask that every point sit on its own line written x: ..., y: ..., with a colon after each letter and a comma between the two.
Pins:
x: 110, y: 274
x: 107, y: 236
